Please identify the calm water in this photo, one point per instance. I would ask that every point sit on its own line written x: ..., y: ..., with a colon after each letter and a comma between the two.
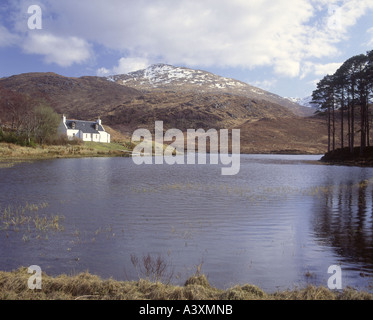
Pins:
x: 281, y: 222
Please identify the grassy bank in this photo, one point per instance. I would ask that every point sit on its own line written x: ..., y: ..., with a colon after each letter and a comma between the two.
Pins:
x: 85, y: 286
x: 14, y: 153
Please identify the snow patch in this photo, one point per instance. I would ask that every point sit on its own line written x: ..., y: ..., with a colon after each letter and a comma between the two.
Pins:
x: 305, y: 102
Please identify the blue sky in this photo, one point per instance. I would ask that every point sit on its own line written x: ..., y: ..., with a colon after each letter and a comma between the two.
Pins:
x: 283, y: 46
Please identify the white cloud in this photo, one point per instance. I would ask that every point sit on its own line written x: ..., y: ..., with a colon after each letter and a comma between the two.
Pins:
x: 265, y: 84
x: 342, y: 14
x: 103, y: 72
x: 352, y: 10
x: 195, y: 33
x: 319, y: 69
x: 64, y: 51
x: 314, y: 82
x: 7, y: 38
x: 324, y: 69
x: 370, y: 34
x: 287, y: 67
x: 220, y: 33
x: 125, y: 65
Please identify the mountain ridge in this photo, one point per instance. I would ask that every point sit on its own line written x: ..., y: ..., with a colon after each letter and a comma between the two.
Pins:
x: 167, y: 77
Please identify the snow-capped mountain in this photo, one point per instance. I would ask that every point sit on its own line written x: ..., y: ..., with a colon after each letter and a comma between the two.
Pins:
x: 167, y: 76
x: 305, y: 102
x: 172, y: 78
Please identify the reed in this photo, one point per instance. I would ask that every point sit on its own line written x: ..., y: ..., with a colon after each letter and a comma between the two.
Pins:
x: 29, y: 219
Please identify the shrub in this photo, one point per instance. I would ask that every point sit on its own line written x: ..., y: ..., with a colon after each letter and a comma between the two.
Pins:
x: 62, y: 140
x: 152, y: 268
x: 13, y: 137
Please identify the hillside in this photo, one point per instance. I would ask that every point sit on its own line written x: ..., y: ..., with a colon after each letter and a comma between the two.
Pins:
x: 85, y: 97
x: 284, y: 135
x: 182, y: 98
x: 190, y: 110
x: 162, y: 77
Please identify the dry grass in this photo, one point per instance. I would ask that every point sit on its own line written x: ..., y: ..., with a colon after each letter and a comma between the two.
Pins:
x: 11, y: 152
x: 84, y: 286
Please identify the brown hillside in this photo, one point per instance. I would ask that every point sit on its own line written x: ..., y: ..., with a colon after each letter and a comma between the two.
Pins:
x: 284, y: 135
x: 265, y: 126
x: 81, y: 98
x: 162, y: 77
x: 190, y: 110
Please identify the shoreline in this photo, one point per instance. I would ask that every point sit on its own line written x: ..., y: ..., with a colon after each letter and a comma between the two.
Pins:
x: 344, y: 157
x: 86, y: 286
x: 12, y: 154
x: 350, y: 163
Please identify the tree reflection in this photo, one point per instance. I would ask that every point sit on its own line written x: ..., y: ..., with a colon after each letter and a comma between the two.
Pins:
x: 343, y: 221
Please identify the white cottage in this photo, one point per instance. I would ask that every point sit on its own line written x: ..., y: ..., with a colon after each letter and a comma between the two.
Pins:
x: 84, y: 130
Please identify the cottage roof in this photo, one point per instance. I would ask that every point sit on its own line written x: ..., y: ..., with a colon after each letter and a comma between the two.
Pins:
x: 84, y: 126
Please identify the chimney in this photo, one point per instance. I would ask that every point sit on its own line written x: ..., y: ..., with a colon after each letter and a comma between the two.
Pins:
x: 99, y: 121
x: 63, y: 118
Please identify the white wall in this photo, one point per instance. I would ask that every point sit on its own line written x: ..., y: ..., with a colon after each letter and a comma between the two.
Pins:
x: 73, y: 133
x: 86, y: 136
x: 103, y: 136
x: 96, y: 137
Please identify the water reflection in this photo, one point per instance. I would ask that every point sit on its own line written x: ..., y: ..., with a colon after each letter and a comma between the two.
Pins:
x: 343, y: 221
x: 280, y: 218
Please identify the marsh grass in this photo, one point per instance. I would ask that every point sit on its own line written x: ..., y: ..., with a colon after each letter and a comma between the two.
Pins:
x: 30, y: 219
x: 11, y: 153
x: 85, y: 286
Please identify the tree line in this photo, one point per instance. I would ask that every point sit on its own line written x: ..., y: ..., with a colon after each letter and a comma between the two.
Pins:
x: 25, y: 119
x: 345, y: 99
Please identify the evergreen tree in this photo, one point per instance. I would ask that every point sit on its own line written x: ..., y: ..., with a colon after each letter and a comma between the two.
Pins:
x: 348, y: 90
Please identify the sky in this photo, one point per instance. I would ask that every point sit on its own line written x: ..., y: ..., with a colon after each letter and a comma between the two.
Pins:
x: 283, y: 46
